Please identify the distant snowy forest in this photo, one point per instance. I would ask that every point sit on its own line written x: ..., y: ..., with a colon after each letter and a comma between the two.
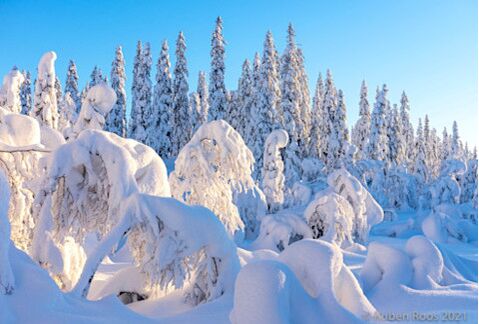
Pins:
x: 201, y: 199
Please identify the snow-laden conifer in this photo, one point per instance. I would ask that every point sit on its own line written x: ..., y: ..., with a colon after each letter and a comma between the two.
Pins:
x: 116, y: 119
x: 217, y: 90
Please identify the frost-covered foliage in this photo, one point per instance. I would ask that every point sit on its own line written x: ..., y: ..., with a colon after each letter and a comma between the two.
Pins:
x: 279, y: 230
x: 245, y: 125
x: 338, y: 134
x: 217, y: 91
x: 7, y: 280
x: 181, y: 125
x: 308, y: 283
x: 162, y: 105
x: 116, y: 120
x: 329, y: 105
x: 469, y: 180
x: 95, y: 107
x: 10, y: 98
x: 446, y: 189
x: 213, y: 165
x: 273, y: 168
x: 67, y: 113
x: 21, y: 151
x: 45, y: 108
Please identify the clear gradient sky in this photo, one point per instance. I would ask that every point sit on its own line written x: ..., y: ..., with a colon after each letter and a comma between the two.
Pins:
x: 426, y: 47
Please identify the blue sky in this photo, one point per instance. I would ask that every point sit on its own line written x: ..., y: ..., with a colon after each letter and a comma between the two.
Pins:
x: 426, y: 47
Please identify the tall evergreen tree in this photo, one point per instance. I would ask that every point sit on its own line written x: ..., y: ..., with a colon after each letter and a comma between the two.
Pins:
x: 267, y: 99
x: 396, y: 146
x: 408, y: 130
x: 163, y: 105
x: 329, y: 106
x: 71, y: 85
x: 339, y: 135
x: 58, y: 91
x: 195, y: 108
x: 116, y: 119
x: 362, y: 129
x: 202, y: 90
x: 218, y: 93
x: 291, y: 99
x: 317, y: 120
x: 242, y: 122
x: 378, y: 140
x: 455, y: 142
x: 420, y: 166
x: 26, y: 93
x: 445, y: 145
x: 305, y: 106
x: 45, y: 108
x: 181, y: 126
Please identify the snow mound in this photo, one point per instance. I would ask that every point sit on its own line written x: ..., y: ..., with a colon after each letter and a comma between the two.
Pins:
x: 308, y: 285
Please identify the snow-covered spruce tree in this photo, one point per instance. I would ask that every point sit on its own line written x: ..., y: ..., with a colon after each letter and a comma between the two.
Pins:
x: 329, y: 106
x: 116, y: 120
x: 217, y: 92
x: 408, y: 131
x: 162, y: 105
x: 273, y: 168
x: 362, y: 128
x: 210, y: 168
x: 434, y: 158
x: 267, y: 100
x: 26, y: 93
x: 378, y: 139
x: 445, y: 145
x: 305, y: 107
x: 202, y: 90
x: 71, y: 85
x: 338, y: 136
x: 181, y: 125
x: 241, y: 120
x: 291, y: 99
x: 45, y: 107
x: 232, y: 109
x: 396, y: 145
x: 316, y: 120
x: 420, y: 167
x: 250, y: 137
x: 7, y: 280
x: 136, y: 127
x: 10, y: 98
x: 455, y: 143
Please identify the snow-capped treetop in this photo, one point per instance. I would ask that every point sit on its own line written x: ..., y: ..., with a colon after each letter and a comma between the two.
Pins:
x: 317, y: 123
x: 26, y: 94
x: 202, y: 90
x: 10, y: 91
x: 116, y: 120
x: 217, y: 91
x: 45, y: 102
x: 378, y: 140
x: 455, y: 142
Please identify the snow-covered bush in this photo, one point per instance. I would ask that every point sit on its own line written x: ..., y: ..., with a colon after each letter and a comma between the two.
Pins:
x: 82, y: 193
x: 312, y: 169
x: 95, y: 107
x: 446, y: 189
x: 7, y: 281
x: 21, y: 152
x: 300, y: 194
x: 308, y: 284
x: 273, y: 169
x: 10, y: 91
x: 367, y: 211
x: 330, y: 216
x: 210, y: 168
x: 277, y: 231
